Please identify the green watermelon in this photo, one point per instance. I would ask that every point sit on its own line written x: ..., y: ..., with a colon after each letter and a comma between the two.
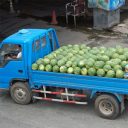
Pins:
x: 120, y: 51
x: 61, y: 63
x: 82, y: 46
x: 46, y: 61
x: 123, y: 57
x: 39, y: 61
x: 84, y: 71
x: 53, y: 62
x: 77, y: 70
x: 91, y: 71
x: 42, y: 67
x: 81, y: 63
x: 70, y: 70
x: 104, y: 58
x: 119, y: 74
x: 100, y: 72
x: 34, y: 66
x: 56, y: 68
x: 99, y: 64
x: 117, y: 67
x: 115, y: 55
x: 69, y: 64
x: 107, y: 67
x: 124, y: 63
x: 110, y: 74
x: 63, y: 69
x: 48, y: 68
x: 75, y: 64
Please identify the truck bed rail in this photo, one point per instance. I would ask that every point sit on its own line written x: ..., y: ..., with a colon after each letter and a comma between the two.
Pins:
x: 64, y: 80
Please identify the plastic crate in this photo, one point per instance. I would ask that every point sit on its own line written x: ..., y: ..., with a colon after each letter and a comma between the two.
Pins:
x: 103, y: 19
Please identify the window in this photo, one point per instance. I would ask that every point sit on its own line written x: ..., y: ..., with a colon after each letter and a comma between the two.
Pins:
x: 43, y: 42
x: 50, y: 35
x: 9, y: 52
x: 50, y: 39
x: 37, y: 43
x: 33, y: 47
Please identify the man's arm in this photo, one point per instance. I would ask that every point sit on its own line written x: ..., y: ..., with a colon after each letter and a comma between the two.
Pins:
x: 19, y: 55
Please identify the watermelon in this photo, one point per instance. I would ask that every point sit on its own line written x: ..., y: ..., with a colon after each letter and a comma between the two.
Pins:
x: 119, y: 74
x: 41, y: 67
x: 115, y: 55
x: 68, y: 64
x: 82, y: 46
x: 120, y: 51
x: 69, y: 46
x: 100, y: 72
x: 39, y: 61
x: 34, y: 66
x: 110, y: 74
x: 104, y: 58
x: 77, y: 70
x: 50, y: 56
x: 81, y: 52
x: 56, y: 68
x: 70, y: 70
x: 84, y: 71
x: 48, y: 68
x: 99, y: 64
x: 107, y: 67
x: 117, y: 67
x: 124, y: 63
x: 63, y: 69
x: 61, y: 63
x: 46, y: 61
x: 89, y: 64
x: 81, y: 63
x: 59, y: 57
x: 91, y: 71
x: 123, y: 57
x: 74, y: 64
x: 53, y: 62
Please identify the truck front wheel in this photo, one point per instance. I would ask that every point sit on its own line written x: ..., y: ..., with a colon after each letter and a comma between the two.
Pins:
x: 20, y: 93
x: 107, y: 106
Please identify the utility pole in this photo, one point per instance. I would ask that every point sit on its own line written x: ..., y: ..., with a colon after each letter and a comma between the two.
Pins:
x: 11, y: 6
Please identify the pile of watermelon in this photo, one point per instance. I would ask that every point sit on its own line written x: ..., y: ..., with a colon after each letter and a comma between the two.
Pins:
x: 84, y: 60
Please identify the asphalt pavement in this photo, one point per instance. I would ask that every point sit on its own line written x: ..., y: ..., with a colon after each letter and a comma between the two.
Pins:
x: 45, y: 114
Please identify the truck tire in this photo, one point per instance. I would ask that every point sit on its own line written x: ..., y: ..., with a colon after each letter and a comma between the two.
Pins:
x: 21, y: 93
x: 107, y: 106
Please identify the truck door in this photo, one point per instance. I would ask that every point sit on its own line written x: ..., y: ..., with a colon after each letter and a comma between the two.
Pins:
x: 11, y: 64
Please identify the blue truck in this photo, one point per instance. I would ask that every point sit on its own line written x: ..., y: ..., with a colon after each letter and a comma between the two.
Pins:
x: 19, y: 51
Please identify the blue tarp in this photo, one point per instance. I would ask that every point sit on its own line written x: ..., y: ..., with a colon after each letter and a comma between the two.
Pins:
x: 106, y: 4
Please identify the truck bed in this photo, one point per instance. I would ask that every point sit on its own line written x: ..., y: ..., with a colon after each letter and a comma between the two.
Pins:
x: 102, y: 84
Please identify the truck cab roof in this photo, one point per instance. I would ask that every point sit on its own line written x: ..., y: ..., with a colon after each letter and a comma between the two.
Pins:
x: 25, y: 35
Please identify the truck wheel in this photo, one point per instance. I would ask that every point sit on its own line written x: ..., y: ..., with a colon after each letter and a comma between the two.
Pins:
x: 21, y: 93
x: 107, y: 106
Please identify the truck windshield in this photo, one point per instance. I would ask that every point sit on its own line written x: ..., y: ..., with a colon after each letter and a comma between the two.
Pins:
x: 9, y: 52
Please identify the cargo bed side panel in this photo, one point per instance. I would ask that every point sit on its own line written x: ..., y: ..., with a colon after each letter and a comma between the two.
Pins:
x: 102, y: 84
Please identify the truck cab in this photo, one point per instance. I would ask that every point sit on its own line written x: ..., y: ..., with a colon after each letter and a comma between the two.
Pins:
x: 20, y: 50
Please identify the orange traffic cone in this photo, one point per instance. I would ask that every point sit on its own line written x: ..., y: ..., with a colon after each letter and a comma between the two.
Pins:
x: 54, y: 20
